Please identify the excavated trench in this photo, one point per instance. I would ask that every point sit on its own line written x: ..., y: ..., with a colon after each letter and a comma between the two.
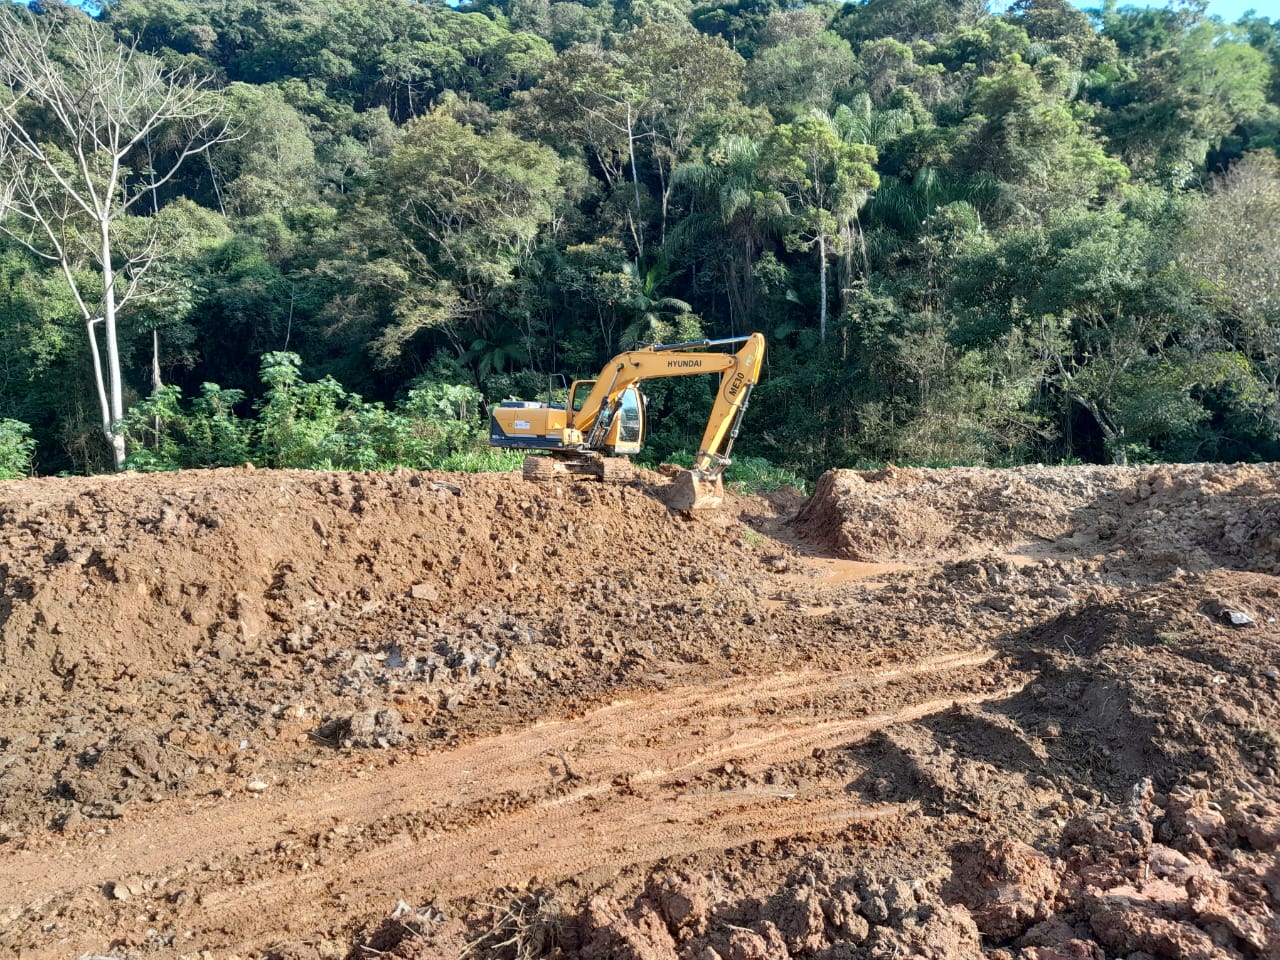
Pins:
x: 256, y: 713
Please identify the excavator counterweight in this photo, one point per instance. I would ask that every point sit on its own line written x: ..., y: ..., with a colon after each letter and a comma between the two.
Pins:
x: 603, y: 420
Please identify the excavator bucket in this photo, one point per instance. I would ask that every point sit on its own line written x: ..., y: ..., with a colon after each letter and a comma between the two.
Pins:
x: 693, y: 491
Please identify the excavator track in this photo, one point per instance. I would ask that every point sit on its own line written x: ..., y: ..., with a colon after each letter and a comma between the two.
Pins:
x: 540, y: 467
x: 617, y: 470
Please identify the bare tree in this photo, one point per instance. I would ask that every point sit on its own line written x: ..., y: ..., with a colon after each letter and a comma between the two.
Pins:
x: 79, y: 115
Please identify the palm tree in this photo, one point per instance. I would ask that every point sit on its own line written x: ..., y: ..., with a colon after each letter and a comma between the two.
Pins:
x: 723, y: 191
x: 860, y: 122
x: 649, y: 324
x: 496, y: 350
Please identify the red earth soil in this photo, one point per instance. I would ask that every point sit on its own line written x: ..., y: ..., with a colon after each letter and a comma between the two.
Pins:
x: 1028, y: 713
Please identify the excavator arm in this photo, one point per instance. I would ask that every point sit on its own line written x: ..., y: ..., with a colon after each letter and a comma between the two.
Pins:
x: 739, y: 373
x: 731, y: 403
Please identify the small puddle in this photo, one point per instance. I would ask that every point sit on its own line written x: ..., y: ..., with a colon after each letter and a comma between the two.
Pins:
x: 824, y: 573
x: 832, y: 571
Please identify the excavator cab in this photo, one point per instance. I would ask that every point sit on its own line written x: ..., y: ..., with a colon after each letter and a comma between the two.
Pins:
x: 625, y: 435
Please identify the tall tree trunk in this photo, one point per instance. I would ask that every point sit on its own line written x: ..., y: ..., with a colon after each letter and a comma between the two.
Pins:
x: 151, y: 166
x: 156, y: 382
x: 631, y: 155
x: 1112, y: 435
x: 844, y: 271
x: 98, y: 382
x: 862, y: 244
x: 822, y: 289
x: 666, y: 186
x: 217, y: 190
x: 731, y: 284
x: 636, y: 228
x: 848, y: 233
x: 637, y: 234
x: 115, y: 383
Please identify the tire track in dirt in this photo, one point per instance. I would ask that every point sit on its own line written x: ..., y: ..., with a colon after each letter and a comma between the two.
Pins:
x: 597, y: 826
x: 601, y: 789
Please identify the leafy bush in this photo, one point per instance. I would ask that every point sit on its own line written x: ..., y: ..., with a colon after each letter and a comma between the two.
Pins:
x: 162, y: 436
x: 151, y: 429
x: 16, y: 449
x: 305, y: 424
x: 648, y: 457
x: 215, y: 434
x: 312, y: 425
x: 443, y: 421
x: 483, y: 460
x: 758, y: 475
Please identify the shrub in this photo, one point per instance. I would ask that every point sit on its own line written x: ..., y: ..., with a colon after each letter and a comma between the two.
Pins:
x: 747, y: 474
x: 483, y: 460
x: 300, y: 423
x: 315, y: 425
x: 17, y: 449
x: 162, y: 436
x: 443, y: 421
x: 758, y: 475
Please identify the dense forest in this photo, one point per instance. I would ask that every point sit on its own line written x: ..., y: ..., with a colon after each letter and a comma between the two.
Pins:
x: 969, y: 236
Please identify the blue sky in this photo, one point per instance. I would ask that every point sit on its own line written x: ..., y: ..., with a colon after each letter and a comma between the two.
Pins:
x: 1232, y: 9
x: 1228, y: 10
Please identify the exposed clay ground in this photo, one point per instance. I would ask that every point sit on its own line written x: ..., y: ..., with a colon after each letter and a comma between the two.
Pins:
x: 1034, y: 713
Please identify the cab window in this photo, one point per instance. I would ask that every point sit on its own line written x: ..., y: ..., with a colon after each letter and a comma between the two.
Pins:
x: 581, y: 390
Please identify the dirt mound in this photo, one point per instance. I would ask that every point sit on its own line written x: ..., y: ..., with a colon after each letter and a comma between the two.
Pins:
x: 1149, y: 519
x: 105, y: 579
x: 161, y: 629
x: 1192, y: 517
x: 1159, y: 683
x: 904, y: 513
x: 817, y: 912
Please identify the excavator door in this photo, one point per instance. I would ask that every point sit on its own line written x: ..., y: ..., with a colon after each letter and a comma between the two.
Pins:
x: 626, y: 433
x: 578, y: 394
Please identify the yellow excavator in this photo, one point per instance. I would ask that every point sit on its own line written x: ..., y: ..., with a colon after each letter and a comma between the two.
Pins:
x: 603, y: 419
